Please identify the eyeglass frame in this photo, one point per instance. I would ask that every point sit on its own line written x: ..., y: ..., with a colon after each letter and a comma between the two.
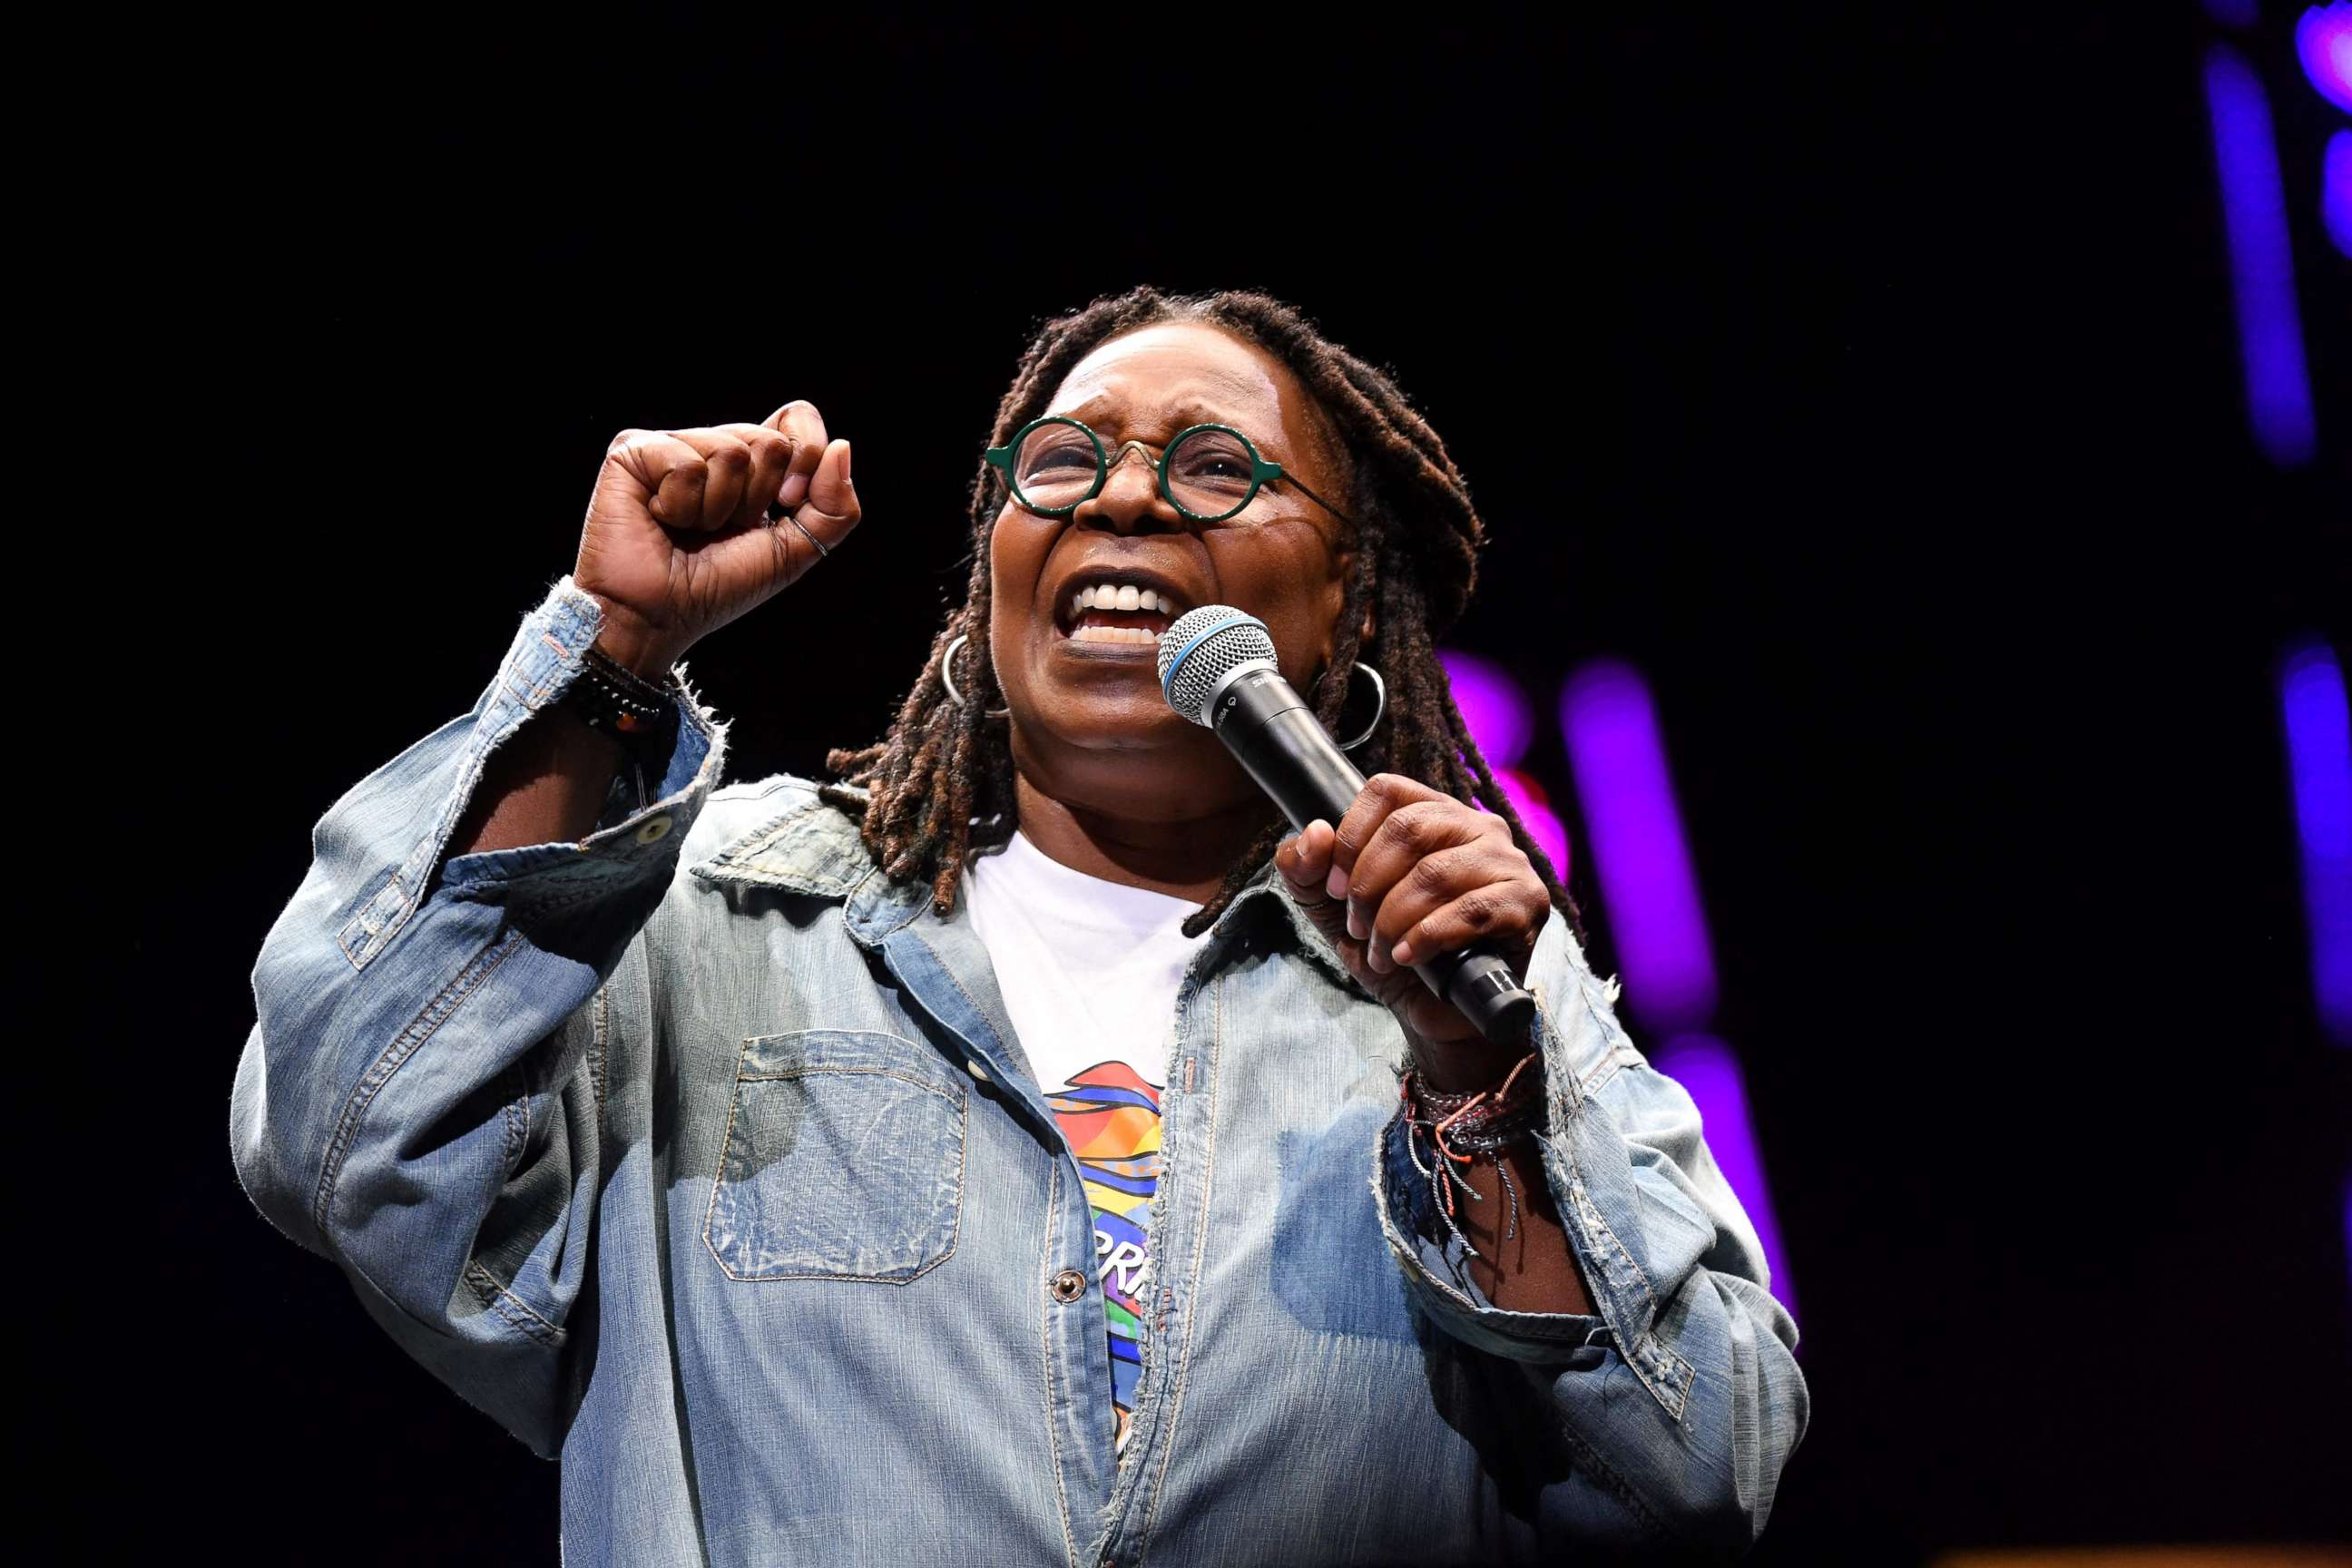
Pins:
x: 1262, y: 471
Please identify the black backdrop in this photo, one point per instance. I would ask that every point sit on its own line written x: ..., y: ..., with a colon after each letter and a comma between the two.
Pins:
x: 1868, y: 379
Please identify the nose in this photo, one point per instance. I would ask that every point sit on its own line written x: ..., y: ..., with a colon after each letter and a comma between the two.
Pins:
x: 1129, y: 501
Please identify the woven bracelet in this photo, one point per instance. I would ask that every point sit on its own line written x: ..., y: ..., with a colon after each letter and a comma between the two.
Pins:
x: 1512, y: 1087
x: 1460, y: 1127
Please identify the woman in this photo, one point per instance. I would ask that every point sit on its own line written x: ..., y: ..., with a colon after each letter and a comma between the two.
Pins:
x: 1001, y: 1152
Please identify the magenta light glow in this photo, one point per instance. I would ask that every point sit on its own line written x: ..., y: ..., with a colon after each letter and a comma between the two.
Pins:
x: 1706, y: 1066
x: 2262, y: 263
x: 2319, y: 765
x: 1498, y: 712
x: 2323, y: 41
x: 1636, y: 841
x: 1535, y: 810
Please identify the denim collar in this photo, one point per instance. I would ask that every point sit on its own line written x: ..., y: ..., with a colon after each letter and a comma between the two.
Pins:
x: 812, y: 848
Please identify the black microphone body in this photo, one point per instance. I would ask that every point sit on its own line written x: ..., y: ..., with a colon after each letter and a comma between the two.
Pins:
x: 1277, y: 738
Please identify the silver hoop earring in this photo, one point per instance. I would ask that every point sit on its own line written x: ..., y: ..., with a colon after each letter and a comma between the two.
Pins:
x: 947, y: 679
x: 1380, y: 704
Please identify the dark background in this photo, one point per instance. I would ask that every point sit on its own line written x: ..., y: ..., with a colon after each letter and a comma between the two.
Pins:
x: 1868, y: 379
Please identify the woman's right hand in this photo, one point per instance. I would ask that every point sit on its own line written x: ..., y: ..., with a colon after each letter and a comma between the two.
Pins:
x: 677, y: 541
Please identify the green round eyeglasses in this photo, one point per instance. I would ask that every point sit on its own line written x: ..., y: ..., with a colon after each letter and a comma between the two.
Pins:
x: 1055, y: 463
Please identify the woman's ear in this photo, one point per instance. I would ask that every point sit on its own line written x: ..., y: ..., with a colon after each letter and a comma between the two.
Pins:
x: 1370, y: 626
x: 1365, y: 640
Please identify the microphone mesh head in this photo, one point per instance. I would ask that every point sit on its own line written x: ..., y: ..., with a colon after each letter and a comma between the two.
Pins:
x: 1201, y: 649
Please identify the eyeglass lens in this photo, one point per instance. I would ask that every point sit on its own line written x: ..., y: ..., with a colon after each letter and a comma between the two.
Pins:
x: 1208, y: 470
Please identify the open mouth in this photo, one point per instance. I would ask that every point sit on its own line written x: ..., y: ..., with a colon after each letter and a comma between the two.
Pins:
x: 1110, y: 612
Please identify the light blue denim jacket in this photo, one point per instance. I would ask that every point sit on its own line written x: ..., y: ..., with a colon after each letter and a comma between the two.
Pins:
x: 702, y: 1156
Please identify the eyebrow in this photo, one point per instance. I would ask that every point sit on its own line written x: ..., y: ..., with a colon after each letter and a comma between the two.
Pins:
x: 1191, y: 412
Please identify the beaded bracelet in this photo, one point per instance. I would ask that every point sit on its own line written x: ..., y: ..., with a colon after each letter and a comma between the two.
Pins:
x: 613, y: 701
x: 1462, y: 1126
x: 621, y: 703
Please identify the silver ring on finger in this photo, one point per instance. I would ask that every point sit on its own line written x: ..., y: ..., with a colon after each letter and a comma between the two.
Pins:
x: 779, y: 515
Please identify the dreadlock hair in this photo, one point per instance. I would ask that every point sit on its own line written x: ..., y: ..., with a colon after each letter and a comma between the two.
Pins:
x: 938, y: 785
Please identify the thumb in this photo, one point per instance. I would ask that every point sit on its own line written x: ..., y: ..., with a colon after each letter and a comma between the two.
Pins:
x: 1304, y: 860
x: 1329, y: 915
x: 830, y: 510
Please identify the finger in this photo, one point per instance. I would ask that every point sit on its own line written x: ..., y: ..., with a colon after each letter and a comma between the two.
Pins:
x: 1355, y: 827
x: 1381, y: 794
x: 671, y: 473
x: 1328, y: 915
x: 771, y: 459
x: 1287, y: 859
x: 831, y: 507
x: 1515, y: 909
x: 1405, y: 837
x: 1305, y: 860
x: 730, y: 463
x: 1429, y: 885
x: 800, y: 421
x: 664, y: 474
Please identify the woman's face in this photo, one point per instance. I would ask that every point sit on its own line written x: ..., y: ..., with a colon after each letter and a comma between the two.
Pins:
x: 1089, y: 724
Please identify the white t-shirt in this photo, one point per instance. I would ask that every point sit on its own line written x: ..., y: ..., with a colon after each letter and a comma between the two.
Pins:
x: 1089, y: 971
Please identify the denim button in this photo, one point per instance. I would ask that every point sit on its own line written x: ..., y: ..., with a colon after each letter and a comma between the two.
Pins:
x: 653, y: 830
x: 1067, y: 1286
x: 978, y: 1071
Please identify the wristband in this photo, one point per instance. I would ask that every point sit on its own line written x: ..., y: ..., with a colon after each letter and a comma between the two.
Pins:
x: 1460, y: 1127
x: 636, y: 715
x: 612, y: 702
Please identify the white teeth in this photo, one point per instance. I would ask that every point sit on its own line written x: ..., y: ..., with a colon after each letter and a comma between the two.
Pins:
x: 1114, y: 634
x: 1122, y: 596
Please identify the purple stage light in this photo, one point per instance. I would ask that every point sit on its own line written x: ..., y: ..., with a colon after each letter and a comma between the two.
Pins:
x: 2323, y: 41
x: 2319, y: 764
x: 2262, y: 267
x: 1535, y: 810
x: 1492, y: 704
x: 1637, y: 846
x: 1706, y: 1066
x: 2336, y: 192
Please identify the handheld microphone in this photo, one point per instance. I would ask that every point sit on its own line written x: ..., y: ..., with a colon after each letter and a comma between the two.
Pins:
x: 1217, y: 669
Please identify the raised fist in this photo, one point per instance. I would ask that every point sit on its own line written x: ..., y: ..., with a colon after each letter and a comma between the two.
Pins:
x: 679, y: 541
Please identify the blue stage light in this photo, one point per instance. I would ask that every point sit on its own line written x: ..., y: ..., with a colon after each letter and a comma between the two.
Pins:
x: 2319, y: 765
x: 2262, y: 265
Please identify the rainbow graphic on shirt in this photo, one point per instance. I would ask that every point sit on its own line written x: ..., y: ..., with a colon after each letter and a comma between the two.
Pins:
x: 1111, y: 1117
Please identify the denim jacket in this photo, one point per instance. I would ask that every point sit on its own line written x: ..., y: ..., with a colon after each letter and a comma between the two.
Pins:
x: 701, y: 1155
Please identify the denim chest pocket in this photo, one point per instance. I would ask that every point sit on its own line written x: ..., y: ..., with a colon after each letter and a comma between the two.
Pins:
x: 843, y: 1160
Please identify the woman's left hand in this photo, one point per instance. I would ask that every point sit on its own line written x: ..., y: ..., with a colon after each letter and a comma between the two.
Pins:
x: 1408, y: 873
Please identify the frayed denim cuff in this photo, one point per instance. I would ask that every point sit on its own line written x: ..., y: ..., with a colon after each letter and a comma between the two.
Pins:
x: 629, y: 844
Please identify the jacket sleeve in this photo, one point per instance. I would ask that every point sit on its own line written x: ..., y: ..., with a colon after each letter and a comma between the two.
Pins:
x: 1682, y: 1387
x: 420, y: 1098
